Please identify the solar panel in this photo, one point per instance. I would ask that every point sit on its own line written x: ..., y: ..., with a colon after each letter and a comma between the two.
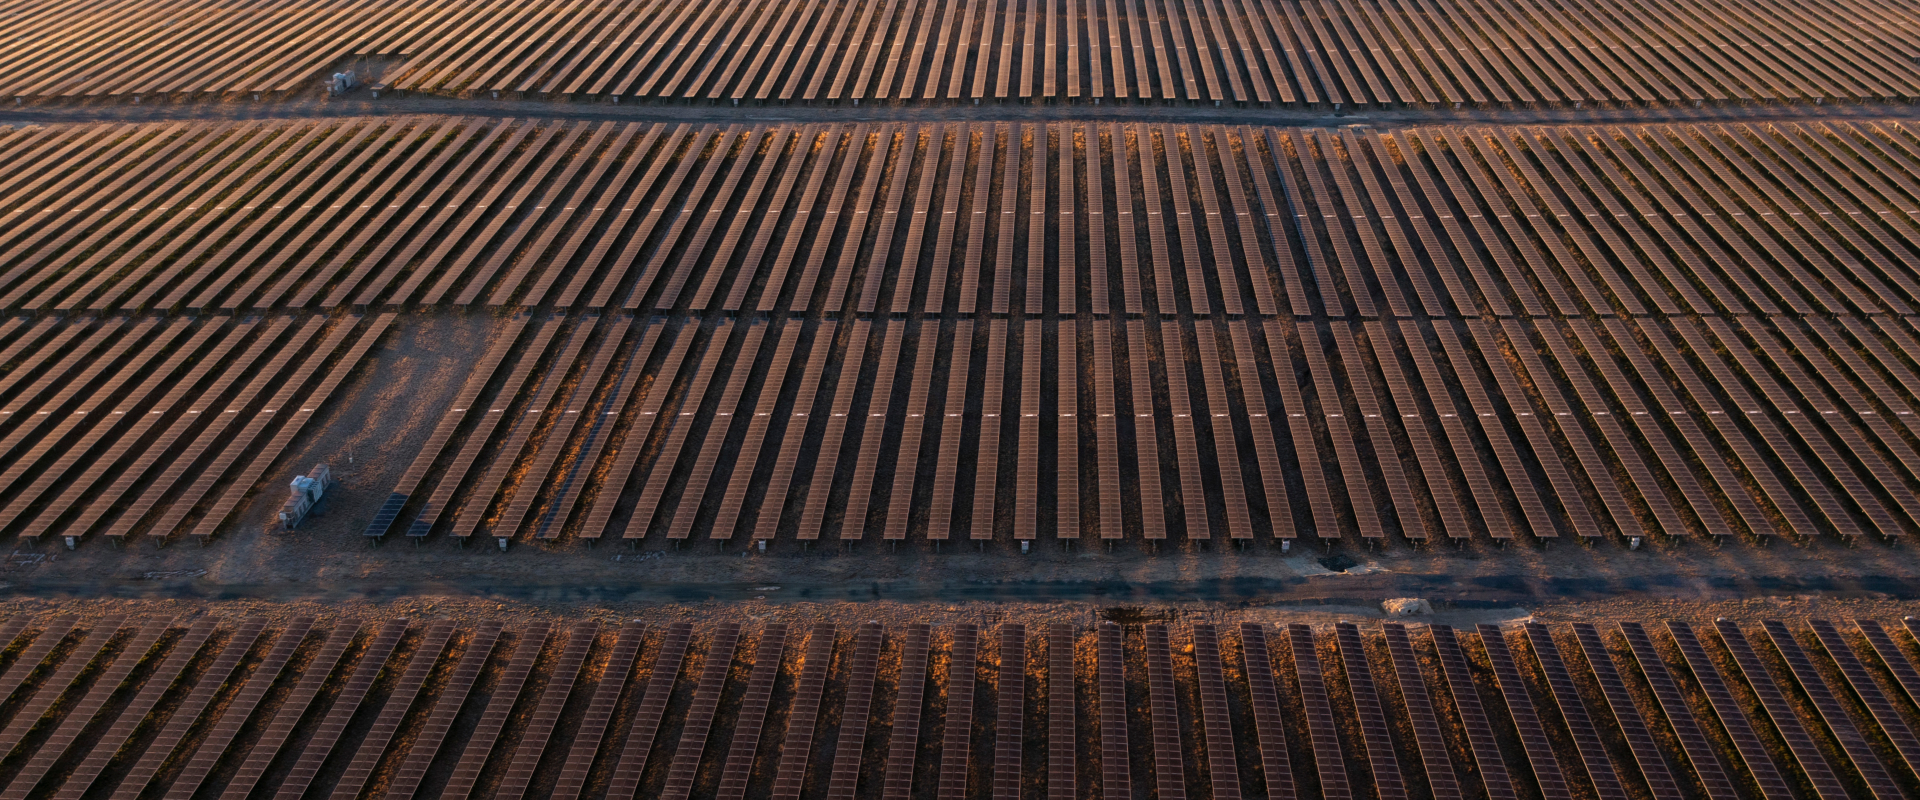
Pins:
x: 1596, y: 469
x: 855, y: 708
x: 373, y: 747
x: 1646, y: 753
x: 1193, y: 493
x: 476, y: 438
x: 1106, y: 429
x: 768, y: 654
x: 1265, y: 700
x: 1034, y: 267
x: 55, y: 454
x: 234, y: 714
x: 688, y: 753
x: 1729, y: 385
x: 447, y: 705
x: 89, y: 705
x: 994, y: 409
x: 1062, y: 730
x: 1857, y: 368
x: 680, y: 425
x: 1329, y: 759
x: 1596, y: 258
x: 743, y: 466
x: 1222, y: 263
x: 526, y: 755
x: 1149, y: 163
x: 946, y: 224
x: 1462, y: 144
x: 1306, y: 453
x: 816, y: 260
x: 1066, y: 259
x: 189, y: 710
x: 1625, y: 452
x: 1189, y: 238
x: 267, y: 747
x: 853, y: 521
x: 804, y: 713
x: 1336, y: 232
x: 766, y: 521
x: 1702, y: 755
x: 1372, y: 715
x: 947, y: 465
x: 868, y: 297
x: 1011, y: 691
x: 956, y: 734
x: 1253, y: 396
x: 500, y: 702
x: 1153, y: 520
x: 1333, y: 410
x: 1026, y: 499
x: 1441, y: 778
x: 1123, y: 170
x: 555, y: 441
x: 1169, y: 764
x: 1758, y: 761
x: 209, y: 435
x: 242, y: 443
x: 645, y: 723
x: 1680, y: 416
x: 1890, y: 654
x: 1533, y: 735
x: 1842, y: 724
x: 42, y: 697
x: 1115, y: 768
x: 813, y: 513
x: 912, y: 438
x: 1099, y: 284
x: 803, y: 139
x: 1586, y: 738
x: 903, y: 744
x: 1473, y: 716
x: 1891, y: 723
x: 1485, y: 494
x: 1812, y: 762
x: 1223, y: 772
x: 714, y: 438
x: 592, y: 730
x: 976, y: 233
x: 1566, y: 489
x: 1380, y: 434
x: 130, y: 716
x: 1806, y: 391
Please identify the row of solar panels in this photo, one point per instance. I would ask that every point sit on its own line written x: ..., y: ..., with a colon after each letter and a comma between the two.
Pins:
x: 962, y: 218
x: 400, y: 709
x: 1320, y: 52
x: 1023, y: 429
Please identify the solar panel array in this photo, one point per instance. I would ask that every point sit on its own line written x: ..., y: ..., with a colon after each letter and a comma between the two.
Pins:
x: 896, y: 457
x: 1712, y: 218
x: 1491, y: 302
x: 107, y: 420
x: 1334, y: 52
x: 193, y: 677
